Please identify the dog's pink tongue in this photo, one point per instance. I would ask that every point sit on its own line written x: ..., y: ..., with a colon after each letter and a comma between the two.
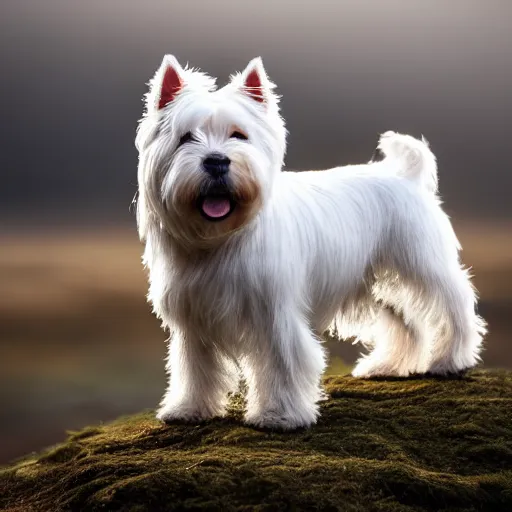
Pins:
x: 216, y: 207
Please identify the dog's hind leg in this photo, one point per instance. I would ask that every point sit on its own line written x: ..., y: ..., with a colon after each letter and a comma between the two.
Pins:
x: 432, y: 328
x: 458, y: 329
x: 437, y: 329
x: 441, y: 293
x: 398, y: 344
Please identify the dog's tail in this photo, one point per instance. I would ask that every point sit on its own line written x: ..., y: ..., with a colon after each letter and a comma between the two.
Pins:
x: 411, y: 157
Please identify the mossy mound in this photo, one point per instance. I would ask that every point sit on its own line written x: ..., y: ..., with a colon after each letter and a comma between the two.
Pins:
x: 386, y: 445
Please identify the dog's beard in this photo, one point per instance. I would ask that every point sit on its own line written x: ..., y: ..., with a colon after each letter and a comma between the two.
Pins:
x: 201, y: 211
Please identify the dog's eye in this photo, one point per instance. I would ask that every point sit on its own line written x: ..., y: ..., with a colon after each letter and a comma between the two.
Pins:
x: 238, y: 135
x: 185, y: 138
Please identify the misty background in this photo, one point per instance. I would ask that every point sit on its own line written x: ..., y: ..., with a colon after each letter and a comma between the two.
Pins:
x: 78, y: 343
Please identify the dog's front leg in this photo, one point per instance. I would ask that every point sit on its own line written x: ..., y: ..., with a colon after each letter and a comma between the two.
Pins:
x: 283, y: 372
x: 199, y: 380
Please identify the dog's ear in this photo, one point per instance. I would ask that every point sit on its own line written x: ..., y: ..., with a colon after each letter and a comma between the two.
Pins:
x: 255, y: 82
x: 166, y: 84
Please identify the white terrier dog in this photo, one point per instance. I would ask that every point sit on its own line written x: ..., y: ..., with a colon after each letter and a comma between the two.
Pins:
x: 249, y: 265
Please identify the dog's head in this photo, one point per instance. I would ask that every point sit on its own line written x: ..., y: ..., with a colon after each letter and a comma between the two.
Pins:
x: 207, y: 156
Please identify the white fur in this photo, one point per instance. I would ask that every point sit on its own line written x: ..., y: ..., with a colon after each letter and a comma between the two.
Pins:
x: 364, y: 250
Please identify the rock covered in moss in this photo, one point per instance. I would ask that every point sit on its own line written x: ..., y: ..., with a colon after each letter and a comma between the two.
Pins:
x: 387, y: 445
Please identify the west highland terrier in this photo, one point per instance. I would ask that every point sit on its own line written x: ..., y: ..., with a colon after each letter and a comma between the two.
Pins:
x: 249, y: 265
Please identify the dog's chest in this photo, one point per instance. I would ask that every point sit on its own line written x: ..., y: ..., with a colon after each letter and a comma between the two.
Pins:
x: 215, y: 296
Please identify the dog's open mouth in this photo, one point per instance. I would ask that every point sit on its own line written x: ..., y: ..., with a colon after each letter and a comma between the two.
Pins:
x: 216, y: 207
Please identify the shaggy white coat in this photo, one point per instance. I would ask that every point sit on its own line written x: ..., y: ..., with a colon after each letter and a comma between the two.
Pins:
x: 365, y: 250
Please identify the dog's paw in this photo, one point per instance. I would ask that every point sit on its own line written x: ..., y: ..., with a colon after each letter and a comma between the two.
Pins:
x: 451, y: 365
x: 190, y: 413
x: 282, y: 420
x: 460, y: 375
x: 450, y: 370
x: 368, y: 369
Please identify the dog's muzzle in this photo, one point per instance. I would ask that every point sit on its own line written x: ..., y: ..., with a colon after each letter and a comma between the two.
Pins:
x: 216, y: 201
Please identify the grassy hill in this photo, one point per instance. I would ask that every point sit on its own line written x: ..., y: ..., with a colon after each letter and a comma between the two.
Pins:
x: 382, y: 445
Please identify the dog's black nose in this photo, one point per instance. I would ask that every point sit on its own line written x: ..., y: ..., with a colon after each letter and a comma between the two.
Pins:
x: 216, y: 165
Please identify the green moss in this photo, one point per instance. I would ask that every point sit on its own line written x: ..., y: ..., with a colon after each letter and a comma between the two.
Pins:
x: 338, y: 367
x: 385, y: 445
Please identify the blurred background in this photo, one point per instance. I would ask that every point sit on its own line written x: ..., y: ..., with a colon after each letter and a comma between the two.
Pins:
x: 78, y: 344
